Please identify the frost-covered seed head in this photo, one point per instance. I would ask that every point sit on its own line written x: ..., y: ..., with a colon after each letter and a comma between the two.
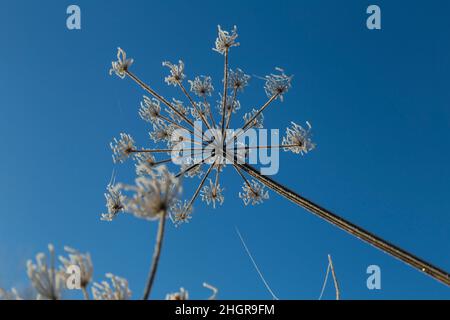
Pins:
x: 144, y: 163
x: 44, y: 277
x: 225, y: 40
x: 178, y: 105
x: 202, y: 86
x: 277, y: 84
x: 114, y: 202
x: 118, y: 290
x: 122, y: 64
x: 258, y: 122
x: 176, y: 72
x: 122, y: 148
x: 297, y: 139
x: 237, y: 80
x: 180, y: 212
x: 150, y: 110
x: 202, y: 109
x: 82, y: 260
x: 253, y: 194
x: 162, y: 132
x: 153, y: 194
x: 234, y: 105
x: 212, y: 194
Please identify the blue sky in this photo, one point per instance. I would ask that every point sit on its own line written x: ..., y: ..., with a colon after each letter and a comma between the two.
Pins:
x: 379, y: 105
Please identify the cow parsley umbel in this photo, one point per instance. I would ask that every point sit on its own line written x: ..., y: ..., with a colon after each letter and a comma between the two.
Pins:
x: 215, y: 150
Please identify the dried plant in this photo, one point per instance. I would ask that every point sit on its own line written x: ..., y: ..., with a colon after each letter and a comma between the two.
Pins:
x: 217, y: 143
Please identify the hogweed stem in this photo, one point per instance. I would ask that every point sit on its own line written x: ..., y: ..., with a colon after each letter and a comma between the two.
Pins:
x: 156, y: 255
x: 370, y: 238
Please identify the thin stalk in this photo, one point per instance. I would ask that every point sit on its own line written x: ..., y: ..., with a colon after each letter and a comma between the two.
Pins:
x: 179, y: 126
x: 198, y: 189
x: 182, y: 172
x: 370, y: 238
x: 230, y: 111
x: 194, y: 105
x: 156, y: 255
x: 225, y: 86
x: 268, y: 147
x: 85, y: 293
x: 209, y: 111
x: 336, y: 284
x: 249, y: 123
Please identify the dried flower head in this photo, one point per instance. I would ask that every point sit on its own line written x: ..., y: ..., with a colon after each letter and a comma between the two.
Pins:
x: 201, y: 111
x: 150, y: 110
x: 198, y: 153
x: 254, y: 122
x: 225, y: 40
x: 10, y: 295
x: 176, y: 72
x: 277, y: 84
x: 122, y: 64
x: 237, y: 80
x: 122, y: 148
x: 202, y: 86
x: 153, y: 194
x: 298, y: 139
x: 114, y: 202
x: 180, y: 212
x: 118, y: 291
x: 82, y: 260
x: 162, y: 132
x: 253, y: 193
x: 179, y: 106
x: 233, y: 105
x: 44, y: 277
x: 212, y: 194
x: 145, y: 163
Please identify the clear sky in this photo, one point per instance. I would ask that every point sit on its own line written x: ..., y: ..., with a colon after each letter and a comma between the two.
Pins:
x: 379, y: 103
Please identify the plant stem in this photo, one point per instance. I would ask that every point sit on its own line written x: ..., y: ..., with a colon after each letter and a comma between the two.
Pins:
x: 406, y: 257
x: 156, y: 255
x: 85, y: 293
x: 333, y: 273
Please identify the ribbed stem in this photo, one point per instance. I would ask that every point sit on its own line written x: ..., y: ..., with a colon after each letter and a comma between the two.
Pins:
x: 156, y: 256
x: 351, y: 228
